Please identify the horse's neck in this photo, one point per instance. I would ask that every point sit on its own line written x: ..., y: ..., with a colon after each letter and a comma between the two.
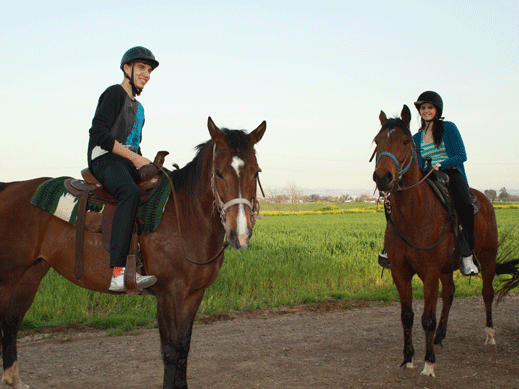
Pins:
x: 417, y: 198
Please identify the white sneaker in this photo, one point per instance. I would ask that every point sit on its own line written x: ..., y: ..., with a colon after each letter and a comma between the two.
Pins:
x: 468, y: 268
x: 142, y: 282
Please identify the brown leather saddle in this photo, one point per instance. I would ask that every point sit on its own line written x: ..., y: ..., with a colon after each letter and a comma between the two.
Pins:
x: 90, y: 189
x: 439, y: 182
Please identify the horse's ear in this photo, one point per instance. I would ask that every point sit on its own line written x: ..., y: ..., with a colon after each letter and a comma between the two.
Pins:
x: 382, y: 117
x: 216, y: 134
x: 256, y: 135
x: 406, y: 115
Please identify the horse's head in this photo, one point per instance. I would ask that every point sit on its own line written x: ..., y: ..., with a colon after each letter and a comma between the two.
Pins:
x: 394, y: 151
x: 234, y: 180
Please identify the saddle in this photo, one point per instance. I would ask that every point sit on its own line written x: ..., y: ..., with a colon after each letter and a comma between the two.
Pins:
x: 90, y: 189
x: 439, y: 183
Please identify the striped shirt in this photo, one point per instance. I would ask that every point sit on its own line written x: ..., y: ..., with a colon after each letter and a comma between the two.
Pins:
x: 437, y: 154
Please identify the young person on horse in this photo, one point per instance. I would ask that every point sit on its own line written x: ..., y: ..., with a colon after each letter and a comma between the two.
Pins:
x: 114, y: 155
x: 441, y: 141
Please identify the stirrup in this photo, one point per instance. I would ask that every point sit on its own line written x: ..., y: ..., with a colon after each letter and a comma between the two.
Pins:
x: 383, y: 260
x: 473, y: 270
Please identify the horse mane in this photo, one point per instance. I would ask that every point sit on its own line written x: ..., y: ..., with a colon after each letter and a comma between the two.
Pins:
x: 3, y: 185
x: 188, y: 178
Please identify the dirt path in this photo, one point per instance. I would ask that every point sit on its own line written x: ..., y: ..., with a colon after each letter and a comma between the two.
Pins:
x: 300, y: 347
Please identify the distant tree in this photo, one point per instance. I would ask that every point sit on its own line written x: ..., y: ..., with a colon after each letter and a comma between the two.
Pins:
x: 503, y: 194
x: 491, y: 194
x: 364, y: 198
x: 315, y: 198
x: 293, y: 192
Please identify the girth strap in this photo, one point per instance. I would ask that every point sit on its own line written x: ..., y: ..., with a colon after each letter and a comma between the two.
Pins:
x: 80, y: 231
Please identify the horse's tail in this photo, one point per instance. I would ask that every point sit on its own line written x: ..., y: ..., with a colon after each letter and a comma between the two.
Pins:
x: 510, y: 267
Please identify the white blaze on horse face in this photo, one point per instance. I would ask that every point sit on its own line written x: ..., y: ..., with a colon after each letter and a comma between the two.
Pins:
x: 390, y: 131
x: 241, y: 223
x: 237, y: 164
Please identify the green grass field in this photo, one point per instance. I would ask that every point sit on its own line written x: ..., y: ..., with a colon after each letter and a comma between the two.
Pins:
x: 300, y: 253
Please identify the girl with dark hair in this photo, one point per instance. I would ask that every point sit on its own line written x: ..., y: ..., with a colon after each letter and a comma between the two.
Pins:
x: 441, y: 141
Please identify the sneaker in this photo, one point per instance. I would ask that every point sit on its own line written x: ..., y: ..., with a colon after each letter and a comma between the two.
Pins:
x: 142, y: 282
x: 383, y: 260
x: 467, y: 267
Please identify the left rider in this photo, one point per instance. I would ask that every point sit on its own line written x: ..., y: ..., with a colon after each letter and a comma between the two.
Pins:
x: 114, y: 155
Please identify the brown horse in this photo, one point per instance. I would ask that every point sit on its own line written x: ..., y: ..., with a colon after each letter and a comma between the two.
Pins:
x: 185, y: 252
x: 419, y: 238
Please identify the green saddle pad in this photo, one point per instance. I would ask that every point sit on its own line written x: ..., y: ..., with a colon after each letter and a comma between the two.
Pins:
x: 52, y: 197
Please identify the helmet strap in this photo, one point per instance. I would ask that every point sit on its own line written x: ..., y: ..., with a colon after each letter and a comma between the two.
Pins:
x: 135, y: 91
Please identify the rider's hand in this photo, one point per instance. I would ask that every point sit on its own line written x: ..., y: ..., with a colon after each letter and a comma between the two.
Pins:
x: 140, y: 161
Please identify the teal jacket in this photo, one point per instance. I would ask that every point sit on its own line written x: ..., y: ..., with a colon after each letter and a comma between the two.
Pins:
x: 453, y: 144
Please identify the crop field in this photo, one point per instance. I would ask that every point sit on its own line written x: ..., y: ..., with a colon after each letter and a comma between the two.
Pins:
x: 299, y: 253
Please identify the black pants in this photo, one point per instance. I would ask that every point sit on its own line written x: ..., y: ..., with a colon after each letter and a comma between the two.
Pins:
x: 118, y: 175
x: 461, y: 197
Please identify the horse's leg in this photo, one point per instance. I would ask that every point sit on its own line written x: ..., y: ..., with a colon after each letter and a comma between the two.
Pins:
x: 405, y: 290
x: 488, y: 270
x: 21, y: 300
x: 431, y: 285
x: 176, y: 315
x: 448, y: 289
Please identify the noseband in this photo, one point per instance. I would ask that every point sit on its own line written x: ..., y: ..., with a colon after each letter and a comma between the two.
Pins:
x: 401, y: 169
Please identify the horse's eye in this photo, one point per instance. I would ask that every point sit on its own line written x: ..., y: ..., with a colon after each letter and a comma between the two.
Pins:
x: 218, y: 173
x: 257, y: 173
x: 406, y: 142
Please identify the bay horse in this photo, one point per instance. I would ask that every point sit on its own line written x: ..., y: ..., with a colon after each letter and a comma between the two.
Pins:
x: 420, y: 240
x: 185, y: 252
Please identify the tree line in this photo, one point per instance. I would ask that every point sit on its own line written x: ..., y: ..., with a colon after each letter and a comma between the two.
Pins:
x: 502, y: 196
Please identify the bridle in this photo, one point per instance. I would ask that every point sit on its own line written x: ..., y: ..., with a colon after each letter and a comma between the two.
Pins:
x: 222, y: 207
x: 411, y: 151
x: 219, y: 205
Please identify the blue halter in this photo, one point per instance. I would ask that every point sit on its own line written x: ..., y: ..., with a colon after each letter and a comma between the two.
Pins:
x: 401, y: 171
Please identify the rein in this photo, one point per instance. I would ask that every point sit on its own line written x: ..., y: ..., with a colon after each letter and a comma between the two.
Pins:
x: 387, y: 208
x: 218, y: 204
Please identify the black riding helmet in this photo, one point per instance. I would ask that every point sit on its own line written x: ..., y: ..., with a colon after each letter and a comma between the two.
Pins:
x: 140, y: 54
x: 431, y: 98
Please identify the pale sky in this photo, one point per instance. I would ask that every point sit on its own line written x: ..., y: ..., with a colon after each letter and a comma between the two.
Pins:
x: 318, y: 72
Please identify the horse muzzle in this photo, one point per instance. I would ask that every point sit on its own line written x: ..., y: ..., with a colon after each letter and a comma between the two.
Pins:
x: 238, y: 221
x: 385, y: 182
x: 237, y: 240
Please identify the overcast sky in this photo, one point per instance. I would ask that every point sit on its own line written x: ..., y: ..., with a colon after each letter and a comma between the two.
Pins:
x: 318, y: 72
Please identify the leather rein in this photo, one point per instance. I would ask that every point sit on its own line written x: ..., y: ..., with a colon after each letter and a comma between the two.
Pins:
x: 218, y: 204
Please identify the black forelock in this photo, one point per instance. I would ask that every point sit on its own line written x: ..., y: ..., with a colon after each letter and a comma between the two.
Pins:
x: 189, y: 176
